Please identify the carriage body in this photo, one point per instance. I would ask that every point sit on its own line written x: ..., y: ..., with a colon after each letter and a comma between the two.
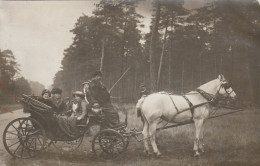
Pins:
x: 25, y: 137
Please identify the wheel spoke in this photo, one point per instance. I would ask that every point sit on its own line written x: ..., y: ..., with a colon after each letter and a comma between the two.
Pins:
x: 27, y: 128
x: 13, y: 133
x: 17, y: 148
x: 20, y: 126
x: 22, y: 152
x: 11, y: 139
x: 35, y: 132
x: 39, y: 141
x: 16, y: 129
x: 13, y: 144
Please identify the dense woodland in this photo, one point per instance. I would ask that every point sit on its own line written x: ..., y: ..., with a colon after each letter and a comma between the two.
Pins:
x: 183, y: 49
x: 12, y: 84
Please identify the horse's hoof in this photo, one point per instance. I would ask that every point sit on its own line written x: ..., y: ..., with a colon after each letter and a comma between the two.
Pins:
x: 202, y: 150
x: 147, y: 153
x: 158, y: 154
x: 197, y: 154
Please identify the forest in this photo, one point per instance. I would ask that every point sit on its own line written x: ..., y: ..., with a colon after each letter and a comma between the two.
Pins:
x: 12, y: 84
x: 184, y: 48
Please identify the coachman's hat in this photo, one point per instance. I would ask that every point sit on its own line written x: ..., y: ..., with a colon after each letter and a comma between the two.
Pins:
x: 56, y: 91
x: 78, y: 93
x: 46, y: 91
x: 97, y: 73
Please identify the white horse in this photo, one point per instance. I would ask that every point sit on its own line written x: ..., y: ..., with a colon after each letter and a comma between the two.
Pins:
x: 195, y: 105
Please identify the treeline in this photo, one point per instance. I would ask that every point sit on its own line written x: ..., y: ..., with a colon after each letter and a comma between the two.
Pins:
x: 12, y: 84
x: 183, y: 49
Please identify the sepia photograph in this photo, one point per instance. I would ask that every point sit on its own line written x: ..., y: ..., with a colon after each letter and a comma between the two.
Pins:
x: 130, y: 82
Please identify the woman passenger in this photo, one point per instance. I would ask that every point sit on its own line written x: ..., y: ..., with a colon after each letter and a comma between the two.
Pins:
x: 45, y: 97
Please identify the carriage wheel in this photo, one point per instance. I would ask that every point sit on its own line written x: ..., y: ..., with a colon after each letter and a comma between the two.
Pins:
x: 68, y: 146
x: 24, y: 137
x: 108, y: 144
x: 122, y: 132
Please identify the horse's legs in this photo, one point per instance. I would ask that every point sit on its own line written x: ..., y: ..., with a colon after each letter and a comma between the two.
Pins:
x: 201, y: 145
x: 152, y: 130
x: 198, y: 124
x: 146, y: 137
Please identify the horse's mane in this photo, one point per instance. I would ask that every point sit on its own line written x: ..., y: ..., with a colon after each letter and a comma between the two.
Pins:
x: 209, y: 85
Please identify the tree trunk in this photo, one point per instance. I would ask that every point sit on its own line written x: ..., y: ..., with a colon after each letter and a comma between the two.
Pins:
x: 170, y: 67
x: 122, y: 89
x: 152, y: 50
x: 201, y: 67
x: 170, y: 56
x: 161, y: 59
x: 182, y: 78
x: 102, y: 55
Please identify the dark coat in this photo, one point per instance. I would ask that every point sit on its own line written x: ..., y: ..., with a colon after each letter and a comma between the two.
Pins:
x: 58, y: 106
x: 45, y: 101
x: 99, y: 93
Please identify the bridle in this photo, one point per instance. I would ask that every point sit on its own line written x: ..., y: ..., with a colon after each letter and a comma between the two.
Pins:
x: 225, y: 86
x: 215, y: 98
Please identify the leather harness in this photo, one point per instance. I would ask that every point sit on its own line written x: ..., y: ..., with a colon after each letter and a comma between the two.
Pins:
x: 208, y: 97
x: 191, y: 106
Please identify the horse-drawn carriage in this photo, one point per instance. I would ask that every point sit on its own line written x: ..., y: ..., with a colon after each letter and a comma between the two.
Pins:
x: 25, y: 137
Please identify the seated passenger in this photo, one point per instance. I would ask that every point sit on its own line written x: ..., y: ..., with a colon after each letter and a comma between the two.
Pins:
x: 58, y: 105
x: 45, y: 98
x: 78, y: 105
x: 68, y: 124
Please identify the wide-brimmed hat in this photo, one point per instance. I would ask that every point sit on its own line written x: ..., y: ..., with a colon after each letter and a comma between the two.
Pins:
x: 97, y: 73
x: 78, y: 93
x: 56, y: 91
x: 46, y: 91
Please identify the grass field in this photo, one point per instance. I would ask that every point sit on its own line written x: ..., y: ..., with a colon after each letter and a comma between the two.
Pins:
x: 229, y: 140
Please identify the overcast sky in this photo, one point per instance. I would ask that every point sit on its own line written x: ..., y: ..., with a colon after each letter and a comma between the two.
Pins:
x: 38, y: 32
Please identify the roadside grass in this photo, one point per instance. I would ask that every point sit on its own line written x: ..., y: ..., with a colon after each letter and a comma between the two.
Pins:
x: 228, y: 139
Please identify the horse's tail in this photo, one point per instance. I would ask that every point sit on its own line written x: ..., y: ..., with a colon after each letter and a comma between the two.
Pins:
x: 144, y: 119
x: 140, y: 102
x: 140, y: 113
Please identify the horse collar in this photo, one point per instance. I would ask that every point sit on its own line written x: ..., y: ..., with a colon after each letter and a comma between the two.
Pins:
x: 209, y: 97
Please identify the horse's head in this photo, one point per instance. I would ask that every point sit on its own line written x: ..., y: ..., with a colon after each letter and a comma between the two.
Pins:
x: 224, y: 88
